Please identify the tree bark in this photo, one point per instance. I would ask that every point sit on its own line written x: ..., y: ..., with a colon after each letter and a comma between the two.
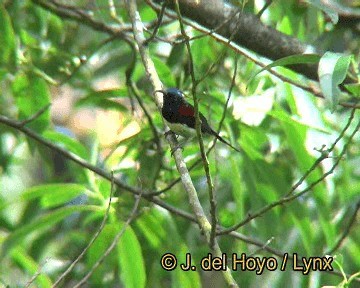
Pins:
x: 245, y: 30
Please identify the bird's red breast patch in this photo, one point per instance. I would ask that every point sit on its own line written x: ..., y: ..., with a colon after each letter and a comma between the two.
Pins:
x: 186, y: 110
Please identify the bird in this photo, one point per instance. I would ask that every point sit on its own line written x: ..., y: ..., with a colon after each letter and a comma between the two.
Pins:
x: 179, y: 115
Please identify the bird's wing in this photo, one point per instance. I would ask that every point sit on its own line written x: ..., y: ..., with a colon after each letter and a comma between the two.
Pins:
x: 186, y: 110
x: 187, y: 114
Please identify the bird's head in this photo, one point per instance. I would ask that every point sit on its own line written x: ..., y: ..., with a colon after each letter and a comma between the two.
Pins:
x: 172, y: 95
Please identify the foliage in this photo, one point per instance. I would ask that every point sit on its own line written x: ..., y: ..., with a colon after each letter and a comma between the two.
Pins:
x: 102, y: 111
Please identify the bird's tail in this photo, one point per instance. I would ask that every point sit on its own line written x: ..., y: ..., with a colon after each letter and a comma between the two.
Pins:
x: 223, y: 140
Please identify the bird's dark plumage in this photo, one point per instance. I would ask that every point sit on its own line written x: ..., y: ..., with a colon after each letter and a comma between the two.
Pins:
x: 180, y: 115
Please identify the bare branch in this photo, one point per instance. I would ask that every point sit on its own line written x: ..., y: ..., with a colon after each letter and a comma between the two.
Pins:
x: 34, y: 277
x: 112, y: 245
x: 28, y: 132
x: 347, y: 230
x: 36, y: 115
x: 195, y: 82
x: 91, y: 242
x: 155, y: 200
x: 289, y: 198
x: 312, y: 88
x: 160, y: 17
x: 264, y: 40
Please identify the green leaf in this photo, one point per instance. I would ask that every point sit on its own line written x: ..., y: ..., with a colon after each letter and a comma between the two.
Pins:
x: 332, y: 72
x: 182, y: 279
x: 303, y: 226
x: 285, y: 26
x: 329, y: 11
x: 164, y: 72
x: 68, y: 143
x: 55, y: 28
x: 282, y: 116
x: 7, y: 40
x: 296, y: 136
x: 98, y: 249
x: 31, y: 94
x: 238, y: 190
x: 101, y: 99
x: 128, y: 256
x: 291, y: 60
x: 54, y: 194
x: 176, y: 55
x: 328, y: 229
x: 252, y: 141
x: 204, y: 52
x: 29, y: 264
x: 131, y: 260
x: 152, y: 225
x: 44, y: 222
x: 354, y: 89
x: 51, y: 194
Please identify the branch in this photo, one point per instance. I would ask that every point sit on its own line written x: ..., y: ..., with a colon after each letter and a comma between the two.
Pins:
x: 112, y: 245
x: 91, y: 242
x: 288, y: 197
x: 106, y: 175
x: 79, y: 15
x: 36, y: 115
x: 235, y: 46
x: 195, y: 82
x: 180, y: 164
x: 28, y: 132
x: 158, y: 24
x: 264, y: 40
x: 347, y: 230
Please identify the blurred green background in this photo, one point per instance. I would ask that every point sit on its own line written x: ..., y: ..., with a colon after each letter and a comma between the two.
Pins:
x: 50, y: 207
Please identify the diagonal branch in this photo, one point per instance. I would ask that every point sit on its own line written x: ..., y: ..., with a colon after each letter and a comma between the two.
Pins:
x: 253, y: 34
x: 289, y: 196
x: 102, y: 173
x: 152, y: 76
x: 112, y: 245
x: 195, y: 82
x: 70, y: 156
x: 347, y: 230
x: 264, y: 40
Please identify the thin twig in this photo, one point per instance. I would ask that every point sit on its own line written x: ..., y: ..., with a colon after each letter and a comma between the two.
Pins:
x: 158, y: 24
x: 267, y: 4
x: 84, y: 59
x: 113, y: 13
x: 311, y: 89
x: 112, y: 245
x: 267, y: 243
x: 15, y: 124
x: 198, y: 130
x: 36, y: 115
x: 346, y: 231
x: 68, y: 155
x: 324, y: 154
x: 91, y: 242
x: 210, y: 235
x: 79, y: 15
x: 289, y: 198
x: 223, y: 52
x: 232, y: 85
x: 36, y: 275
